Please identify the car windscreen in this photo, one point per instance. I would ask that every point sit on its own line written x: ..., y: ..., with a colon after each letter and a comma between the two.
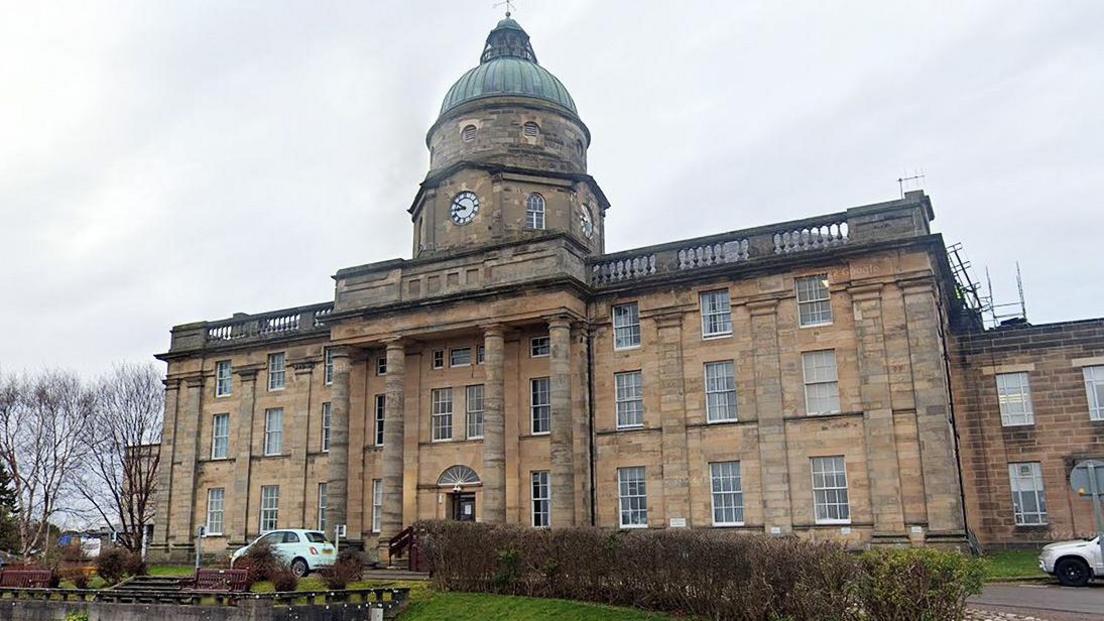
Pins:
x: 316, y: 537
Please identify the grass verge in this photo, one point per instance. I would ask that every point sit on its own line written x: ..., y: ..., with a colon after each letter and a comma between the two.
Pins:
x: 1012, y: 565
x: 482, y: 607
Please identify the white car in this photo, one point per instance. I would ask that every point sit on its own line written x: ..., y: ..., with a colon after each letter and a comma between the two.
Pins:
x: 303, y: 550
x: 1075, y: 562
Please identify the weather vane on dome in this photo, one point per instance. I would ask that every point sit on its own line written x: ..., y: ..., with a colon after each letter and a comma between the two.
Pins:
x: 508, y: 4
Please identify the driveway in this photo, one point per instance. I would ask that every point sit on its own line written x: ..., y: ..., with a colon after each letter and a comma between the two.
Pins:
x: 1043, y: 600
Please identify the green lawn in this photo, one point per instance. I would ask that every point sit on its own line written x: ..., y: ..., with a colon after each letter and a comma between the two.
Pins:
x: 1013, y: 564
x: 480, y: 607
x: 171, y: 570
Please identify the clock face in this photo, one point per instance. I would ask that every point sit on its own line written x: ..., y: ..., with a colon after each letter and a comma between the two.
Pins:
x: 464, y: 207
x: 586, y: 221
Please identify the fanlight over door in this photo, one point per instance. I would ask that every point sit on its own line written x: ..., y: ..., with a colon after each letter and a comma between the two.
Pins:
x: 458, y: 475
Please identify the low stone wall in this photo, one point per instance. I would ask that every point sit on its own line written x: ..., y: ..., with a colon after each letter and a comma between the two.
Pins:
x: 24, y: 610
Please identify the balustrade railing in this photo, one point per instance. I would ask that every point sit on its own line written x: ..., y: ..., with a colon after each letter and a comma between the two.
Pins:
x: 810, y: 237
x: 269, y: 324
x: 713, y: 254
x: 623, y: 269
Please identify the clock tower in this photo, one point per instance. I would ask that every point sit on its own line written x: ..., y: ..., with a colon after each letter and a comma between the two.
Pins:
x: 507, y: 158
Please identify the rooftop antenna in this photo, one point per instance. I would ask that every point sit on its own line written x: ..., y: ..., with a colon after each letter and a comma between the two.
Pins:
x: 901, y: 181
x: 507, y: 3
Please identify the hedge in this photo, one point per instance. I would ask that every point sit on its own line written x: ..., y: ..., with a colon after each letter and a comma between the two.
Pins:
x: 701, y: 573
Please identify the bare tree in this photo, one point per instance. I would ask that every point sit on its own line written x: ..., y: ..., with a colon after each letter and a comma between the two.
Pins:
x: 41, y: 424
x: 119, y: 480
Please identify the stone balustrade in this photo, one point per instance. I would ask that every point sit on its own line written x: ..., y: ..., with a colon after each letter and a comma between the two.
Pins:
x: 242, y: 327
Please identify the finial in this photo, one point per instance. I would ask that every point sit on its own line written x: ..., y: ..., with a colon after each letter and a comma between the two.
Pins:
x: 509, y: 7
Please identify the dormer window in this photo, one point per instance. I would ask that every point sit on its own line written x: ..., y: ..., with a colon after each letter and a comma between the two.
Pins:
x: 468, y: 133
x: 530, y: 130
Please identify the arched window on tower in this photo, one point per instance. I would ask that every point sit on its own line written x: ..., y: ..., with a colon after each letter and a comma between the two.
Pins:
x: 534, y: 212
x: 468, y: 134
x: 530, y: 130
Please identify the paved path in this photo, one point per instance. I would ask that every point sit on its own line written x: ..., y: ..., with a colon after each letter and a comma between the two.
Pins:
x: 1044, y: 600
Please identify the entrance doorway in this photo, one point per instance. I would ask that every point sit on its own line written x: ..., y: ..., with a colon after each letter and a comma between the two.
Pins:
x: 463, y: 506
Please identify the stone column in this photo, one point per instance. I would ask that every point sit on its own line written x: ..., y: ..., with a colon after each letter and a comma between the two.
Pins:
x: 672, y: 412
x: 562, y: 432
x: 181, y: 517
x: 238, y: 500
x: 337, y: 482
x: 391, y: 523
x: 494, y: 426
x: 165, y: 471
x: 773, y: 452
x: 878, y: 425
x: 297, y: 424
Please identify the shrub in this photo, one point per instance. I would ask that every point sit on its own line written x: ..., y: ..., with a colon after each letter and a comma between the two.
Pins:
x: 260, y: 561
x: 918, y: 584
x: 111, y: 564
x: 135, y: 565
x: 348, y: 568
x: 72, y: 553
x: 77, y: 576
x: 283, y: 579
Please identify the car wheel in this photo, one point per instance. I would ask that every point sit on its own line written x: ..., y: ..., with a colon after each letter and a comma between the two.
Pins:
x: 1072, y: 572
x: 299, y: 568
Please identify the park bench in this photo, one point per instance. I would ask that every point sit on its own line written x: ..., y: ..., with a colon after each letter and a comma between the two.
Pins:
x: 232, y: 580
x: 25, y: 578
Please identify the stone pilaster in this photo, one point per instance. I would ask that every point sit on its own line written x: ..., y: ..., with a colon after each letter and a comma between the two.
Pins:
x: 672, y: 412
x: 297, y: 428
x: 237, y: 503
x: 337, y: 482
x: 494, y: 426
x: 772, y: 428
x: 393, y: 441
x: 562, y: 432
x: 874, y: 388
x: 165, y: 461
x: 183, y: 507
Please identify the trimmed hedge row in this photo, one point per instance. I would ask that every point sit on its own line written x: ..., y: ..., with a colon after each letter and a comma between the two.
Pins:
x: 702, y: 573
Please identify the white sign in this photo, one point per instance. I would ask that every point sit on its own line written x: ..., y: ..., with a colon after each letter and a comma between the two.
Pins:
x: 340, y: 530
x: 678, y: 522
x: 775, y: 530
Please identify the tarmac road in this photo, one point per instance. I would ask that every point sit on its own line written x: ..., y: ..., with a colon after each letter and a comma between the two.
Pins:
x: 1048, y: 601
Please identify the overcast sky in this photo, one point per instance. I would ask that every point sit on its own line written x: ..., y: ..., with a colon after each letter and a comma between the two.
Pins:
x: 166, y: 162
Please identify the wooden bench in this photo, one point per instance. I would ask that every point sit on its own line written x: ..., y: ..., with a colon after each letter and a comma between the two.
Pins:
x: 231, y: 580
x: 25, y: 578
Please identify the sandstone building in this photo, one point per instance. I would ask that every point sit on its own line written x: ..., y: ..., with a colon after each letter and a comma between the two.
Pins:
x: 791, y: 378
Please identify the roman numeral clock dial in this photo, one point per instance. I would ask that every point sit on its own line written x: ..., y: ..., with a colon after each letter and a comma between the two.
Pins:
x: 464, y: 207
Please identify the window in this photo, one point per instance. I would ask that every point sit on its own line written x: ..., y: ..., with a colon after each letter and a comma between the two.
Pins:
x: 468, y: 133
x: 441, y: 401
x: 323, y: 504
x: 381, y: 411
x: 632, y: 492
x: 716, y: 311
x: 728, y: 493
x: 480, y: 354
x: 630, y: 399
x: 327, y: 422
x: 539, y: 347
x: 534, y: 211
x: 377, y: 505
x: 1094, y: 390
x: 475, y: 411
x: 1028, y: 497
x: 813, y: 305
x: 720, y: 391
x: 460, y: 357
x: 1014, y: 395
x: 439, y: 359
x: 830, y: 491
x: 542, y: 499
x: 329, y: 366
x: 220, y: 442
x: 626, y: 326
x: 277, y: 376
x: 381, y: 365
x: 274, y: 431
x: 540, y: 404
x: 270, y: 507
x: 530, y: 129
x: 821, y: 382
x: 224, y: 382
x: 216, y: 497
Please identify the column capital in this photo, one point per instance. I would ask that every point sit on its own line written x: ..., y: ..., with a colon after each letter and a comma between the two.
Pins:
x: 493, y: 329
x: 763, y: 307
x: 248, y: 373
x: 193, y: 380
x: 871, y: 291
x: 395, y: 342
x: 341, y: 351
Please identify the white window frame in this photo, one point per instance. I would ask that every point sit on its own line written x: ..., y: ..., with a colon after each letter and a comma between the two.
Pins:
x: 438, y: 360
x: 1094, y: 391
x: 327, y: 426
x: 540, y: 405
x: 1021, y: 485
x: 814, y: 301
x: 540, y: 495
x: 216, y: 436
x: 727, y: 492
x: 628, y: 389
x: 224, y: 378
x: 274, y: 433
x: 270, y: 508
x: 328, y: 366
x: 540, y: 347
x: 626, y: 326
x: 277, y: 371
x: 323, y: 505
x: 377, y: 505
x: 1014, y: 392
x: 461, y: 352
x: 216, y: 512
x: 380, y: 418
x: 474, y: 395
x: 534, y: 212
x: 440, y: 400
x: 828, y: 493
x: 637, y: 497
x: 722, y: 313
x: 818, y: 379
x: 381, y: 365
x: 720, y: 388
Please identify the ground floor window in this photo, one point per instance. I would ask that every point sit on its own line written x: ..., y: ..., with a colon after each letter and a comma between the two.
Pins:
x: 216, y: 497
x: 323, y: 504
x: 633, y: 497
x: 542, y: 510
x: 377, y: 505
x: 830, y: 502
x: 1028, y: 496
x: 270, y: 507
x: 728, y: 493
